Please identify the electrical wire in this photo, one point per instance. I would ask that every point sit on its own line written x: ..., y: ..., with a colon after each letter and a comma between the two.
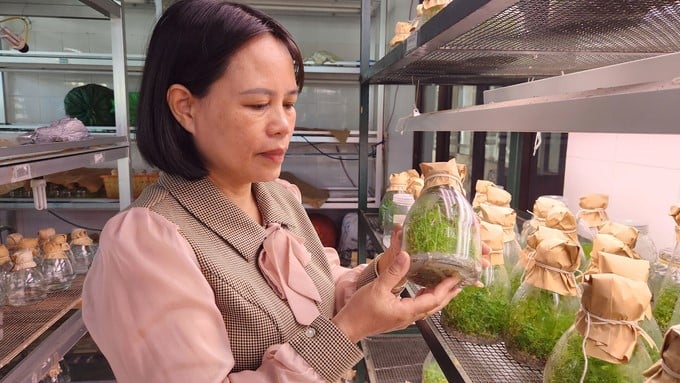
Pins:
x: 326, y: 154
x: 344, y: 169
x: 70, y: 222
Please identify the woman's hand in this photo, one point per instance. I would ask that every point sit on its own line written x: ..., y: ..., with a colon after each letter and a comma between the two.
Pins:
x: 374, y: 309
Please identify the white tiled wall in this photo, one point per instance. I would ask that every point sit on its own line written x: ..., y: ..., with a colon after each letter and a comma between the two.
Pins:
x: 640, y: 173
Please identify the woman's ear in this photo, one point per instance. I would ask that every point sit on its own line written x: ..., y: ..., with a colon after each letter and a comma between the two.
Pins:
x: 179, y: 100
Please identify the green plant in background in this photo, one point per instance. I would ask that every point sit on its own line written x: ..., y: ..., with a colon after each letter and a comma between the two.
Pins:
x: 479, y: 312
x: 430, y: 230
x: 536, y: 323
x: 567, y: 363
x: 665, y: 305
x: 587, y: 247
x: 385, y: 210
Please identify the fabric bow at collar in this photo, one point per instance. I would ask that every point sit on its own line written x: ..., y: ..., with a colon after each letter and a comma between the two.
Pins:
x: 282, y: 262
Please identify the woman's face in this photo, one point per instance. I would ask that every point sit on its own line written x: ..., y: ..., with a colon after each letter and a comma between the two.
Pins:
x: 243, y: 125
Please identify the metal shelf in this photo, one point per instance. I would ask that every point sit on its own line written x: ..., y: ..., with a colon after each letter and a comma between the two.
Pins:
x: 25, y: 168
x: 461, y: 361
x: 24, y: 325
x: 509, y: 41
x: 67, y: 204
x: 12, y: 60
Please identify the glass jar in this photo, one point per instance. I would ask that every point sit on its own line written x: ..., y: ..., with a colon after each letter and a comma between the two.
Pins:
x: 398, y: 182
x: 26, y: 284
x: 401, y: 204
x: 80, y: 261
x: 441, y: 232
x: 432, y: 373
x: 605, y: 345
x: 479, y: 315
x: 545, y: 304
x: 666, y: 305
x: 56, y: 267
x: 83, y: 249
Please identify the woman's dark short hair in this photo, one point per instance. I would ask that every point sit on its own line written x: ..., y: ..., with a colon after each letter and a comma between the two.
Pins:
x: 191, y: 45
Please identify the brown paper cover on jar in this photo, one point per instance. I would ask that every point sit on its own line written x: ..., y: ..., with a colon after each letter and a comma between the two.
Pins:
x: 492, y: 236
x: 542, y: 206
x: 4, y: 254
x: 561, y: 218
x: 79, y: 237
x: 415, y: 186
x: 481, y: 187
x: 636, y: 269
x: 627, y: 234
x: 500, y: 215
x: 497, y: 196
x: 398, y: 182
x: 593, y: 209
x: 13, y: 241
x: 44, y: 235
x: 535, y: 238
x: 443, y: 173
x: 53, y: 250
x: 667, y: 369
x: 612, y: 298
x: 552, y: 266
x: 675, y: 213
x: 23, y: 259
x: 607, y: 243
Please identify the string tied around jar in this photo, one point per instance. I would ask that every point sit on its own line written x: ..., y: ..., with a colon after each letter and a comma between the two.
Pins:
x: 594, y: 319
x: 445, y: 175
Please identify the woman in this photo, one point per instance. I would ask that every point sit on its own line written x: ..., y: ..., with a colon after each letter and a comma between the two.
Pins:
x: 215, y: 274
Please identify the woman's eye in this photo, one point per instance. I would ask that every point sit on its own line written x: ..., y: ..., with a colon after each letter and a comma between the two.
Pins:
x: 289, y: 105
x: 258, y: 106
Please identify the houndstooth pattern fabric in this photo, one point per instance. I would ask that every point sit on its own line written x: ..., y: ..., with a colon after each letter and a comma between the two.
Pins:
x: 227, y: 242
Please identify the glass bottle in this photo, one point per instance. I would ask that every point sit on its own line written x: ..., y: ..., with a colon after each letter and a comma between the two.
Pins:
x: 26, y: 284
x: 479, y: 315
x: 6, y: 264
x: 605, y: 335
x: 644, y: 245
x: 80, y: 261
x: 432, y: 373
x: 44, y: 235
x: 545, y: 304
x: 441, y: 232
x: 401, y: 204
x: 82, y: 247
x: 591, y: 216
x: 398, y: 182
x: 542, y: 206
x: 481, y: 188
x: 668, y: 271
x: 519, y: 270
x: 506, y: 217
x: 666, y: 369
x: 56, y: 267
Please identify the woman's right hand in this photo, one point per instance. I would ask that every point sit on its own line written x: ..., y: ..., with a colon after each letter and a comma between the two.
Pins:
x: 374, y: 309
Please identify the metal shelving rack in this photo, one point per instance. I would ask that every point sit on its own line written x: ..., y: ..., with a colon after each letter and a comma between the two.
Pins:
x: 589, y: 59
x: 25, y: 324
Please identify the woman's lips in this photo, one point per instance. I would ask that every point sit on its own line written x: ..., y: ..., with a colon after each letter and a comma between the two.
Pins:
x: 276, y: 155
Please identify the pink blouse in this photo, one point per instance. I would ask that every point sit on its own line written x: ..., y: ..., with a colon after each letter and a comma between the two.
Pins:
x: 169, y: 305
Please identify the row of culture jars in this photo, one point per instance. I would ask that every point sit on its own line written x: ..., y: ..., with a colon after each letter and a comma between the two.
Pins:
x: 30, y: 270
x: 666, y: 306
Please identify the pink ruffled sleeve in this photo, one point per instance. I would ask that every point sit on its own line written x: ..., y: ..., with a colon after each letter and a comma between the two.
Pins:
x: 153, y: 314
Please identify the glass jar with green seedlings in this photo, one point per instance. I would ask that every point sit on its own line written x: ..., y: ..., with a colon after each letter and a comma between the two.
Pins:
x: 479, y: 315
x: 398, y: 182
x: 506, y: 217
x: 432, y: 373
x: 546, y: 303
x: 667, y: 298
x: 605, y: 345
x: 441, y: 232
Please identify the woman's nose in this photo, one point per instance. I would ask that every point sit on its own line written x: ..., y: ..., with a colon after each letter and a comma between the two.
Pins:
x: 283, y: 120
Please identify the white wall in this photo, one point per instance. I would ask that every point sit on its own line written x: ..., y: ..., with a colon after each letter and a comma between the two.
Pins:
x: 640, y: 173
